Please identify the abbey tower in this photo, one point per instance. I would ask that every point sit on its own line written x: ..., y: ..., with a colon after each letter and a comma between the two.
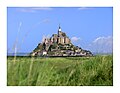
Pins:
x: 60, y: 38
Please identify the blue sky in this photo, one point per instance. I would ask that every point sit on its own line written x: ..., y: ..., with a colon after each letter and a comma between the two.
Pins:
x: 88, y: 27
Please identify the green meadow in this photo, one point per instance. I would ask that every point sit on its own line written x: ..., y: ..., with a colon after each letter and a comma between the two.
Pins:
x: 67, y: 71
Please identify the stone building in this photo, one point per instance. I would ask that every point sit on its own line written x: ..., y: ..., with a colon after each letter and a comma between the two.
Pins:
x: 54, y: 38
x: 60, y: 38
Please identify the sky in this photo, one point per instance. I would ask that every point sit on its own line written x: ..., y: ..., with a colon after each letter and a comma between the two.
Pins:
x: 90, y: 28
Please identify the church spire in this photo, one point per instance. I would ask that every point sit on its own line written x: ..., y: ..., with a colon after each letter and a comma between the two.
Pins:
x: 59, y: 28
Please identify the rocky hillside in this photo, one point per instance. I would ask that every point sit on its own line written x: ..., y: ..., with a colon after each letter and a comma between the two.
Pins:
x: 59, y: 50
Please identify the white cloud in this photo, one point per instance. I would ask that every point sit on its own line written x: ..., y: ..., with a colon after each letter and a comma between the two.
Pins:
x: 102, y: 45
x: 42, y: 8
x: 75, y: 39
x: 46, y: 20
x: 84, y: 8
x: 27, y: 10
x: 105, y: 41
x: 34, y: 9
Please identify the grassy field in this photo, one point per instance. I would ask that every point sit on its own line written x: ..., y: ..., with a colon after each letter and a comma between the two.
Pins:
x: 69, y: 71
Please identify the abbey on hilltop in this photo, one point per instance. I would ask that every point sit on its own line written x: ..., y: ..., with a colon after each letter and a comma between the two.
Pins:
x: 58, y: 45
x: 60, y: 38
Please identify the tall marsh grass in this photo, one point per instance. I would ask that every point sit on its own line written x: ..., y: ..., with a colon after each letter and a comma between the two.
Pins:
x: 71, y: 71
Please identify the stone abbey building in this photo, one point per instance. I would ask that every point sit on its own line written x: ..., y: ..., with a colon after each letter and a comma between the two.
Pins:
x: 60, y: 38
x: 59, y: 45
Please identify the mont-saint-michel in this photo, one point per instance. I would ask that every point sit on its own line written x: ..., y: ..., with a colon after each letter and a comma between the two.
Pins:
x: 72, y: 55
x: 59, y: 45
